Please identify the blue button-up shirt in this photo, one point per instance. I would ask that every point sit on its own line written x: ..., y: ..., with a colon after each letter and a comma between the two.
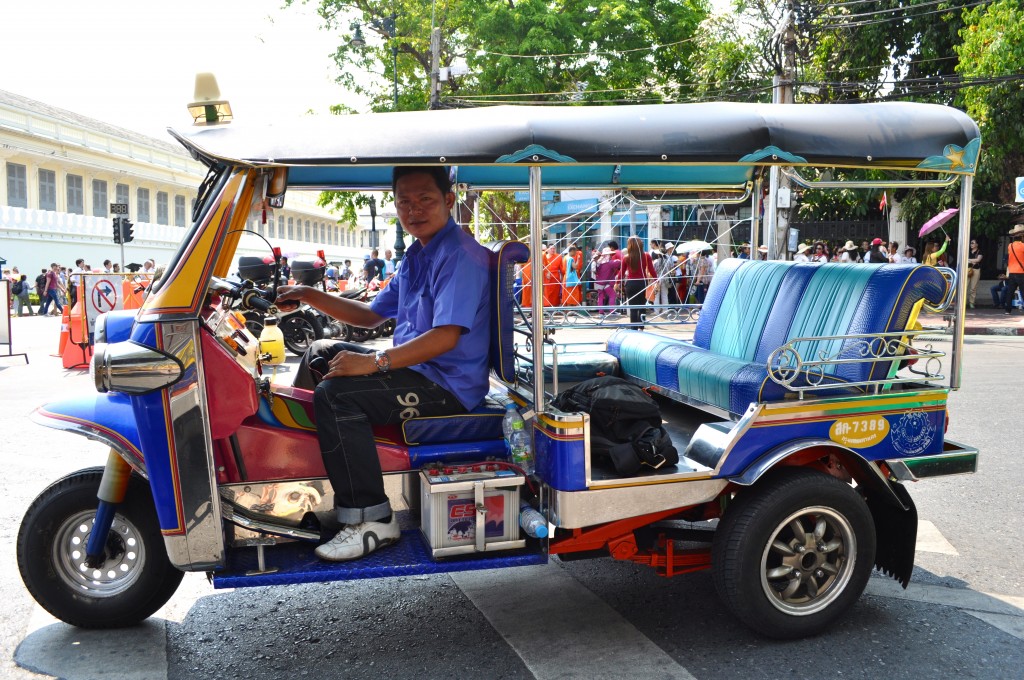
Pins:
x: 445, y: 283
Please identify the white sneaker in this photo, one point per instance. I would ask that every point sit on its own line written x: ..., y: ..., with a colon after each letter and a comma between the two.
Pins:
x: 357, y: 540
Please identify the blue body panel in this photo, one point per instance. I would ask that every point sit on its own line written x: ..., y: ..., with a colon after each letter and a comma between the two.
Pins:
x: 562, y: 463
x: 119, y: 324
x: 106, y: 417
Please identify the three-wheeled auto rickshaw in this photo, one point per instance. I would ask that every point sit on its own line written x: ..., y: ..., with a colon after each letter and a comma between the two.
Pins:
x: 798, y: 400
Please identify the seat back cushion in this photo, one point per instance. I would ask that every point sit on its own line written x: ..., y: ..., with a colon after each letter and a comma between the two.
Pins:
x: 732, y: 321
x: 504, y: 256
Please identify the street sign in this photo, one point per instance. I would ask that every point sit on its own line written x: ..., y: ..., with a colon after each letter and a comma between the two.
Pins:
x: 1019, y: 195
x: 118, y: 208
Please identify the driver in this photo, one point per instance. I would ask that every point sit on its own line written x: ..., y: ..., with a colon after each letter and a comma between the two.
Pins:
x: 438, y: 365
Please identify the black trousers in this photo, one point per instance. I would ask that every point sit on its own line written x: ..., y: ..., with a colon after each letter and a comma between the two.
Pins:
x: 347, y: 408
x: 1014, y: 282
x: 634, y: 290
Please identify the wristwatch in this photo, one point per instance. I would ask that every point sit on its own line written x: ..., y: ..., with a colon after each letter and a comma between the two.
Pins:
x: 383, y: 361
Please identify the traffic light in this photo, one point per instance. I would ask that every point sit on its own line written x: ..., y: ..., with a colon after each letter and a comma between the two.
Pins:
x: 126, y: 230
x: 117, y: 230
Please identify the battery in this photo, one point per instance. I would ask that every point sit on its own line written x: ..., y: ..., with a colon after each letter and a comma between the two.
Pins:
x: 470, y: 508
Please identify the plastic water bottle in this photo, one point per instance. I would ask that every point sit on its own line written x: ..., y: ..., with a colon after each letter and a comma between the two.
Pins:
x: 532, y: 522
x: 272, y: 341
x: 517, y: 439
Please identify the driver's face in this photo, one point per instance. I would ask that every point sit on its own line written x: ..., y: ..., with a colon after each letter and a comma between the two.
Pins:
x: 422, y: 208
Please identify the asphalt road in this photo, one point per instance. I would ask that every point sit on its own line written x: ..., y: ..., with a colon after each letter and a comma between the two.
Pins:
x: 963, y: 615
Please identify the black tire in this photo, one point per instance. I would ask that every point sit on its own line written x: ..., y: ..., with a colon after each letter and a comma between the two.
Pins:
x: 388, y: 328
x: 136, y: 578
x: 300, y: 331
x: 254, y: 322
x: 360, y: 334
x: 342, y: 331
x: 793, y: 553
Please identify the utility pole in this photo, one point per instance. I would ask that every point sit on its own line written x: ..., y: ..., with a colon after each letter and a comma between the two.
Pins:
x: 779, y: 189
x: 435, y: 68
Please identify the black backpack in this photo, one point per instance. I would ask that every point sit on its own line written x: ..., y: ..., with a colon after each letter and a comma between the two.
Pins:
x: 16, y: 288
x: 625, y: 424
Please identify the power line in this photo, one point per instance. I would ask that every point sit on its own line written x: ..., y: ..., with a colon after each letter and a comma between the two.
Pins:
x: 608, y: 53
x: 908, y: 17
x: 892, y: 10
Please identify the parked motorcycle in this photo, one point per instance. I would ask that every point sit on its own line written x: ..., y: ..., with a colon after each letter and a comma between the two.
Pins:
x: 302, y: 326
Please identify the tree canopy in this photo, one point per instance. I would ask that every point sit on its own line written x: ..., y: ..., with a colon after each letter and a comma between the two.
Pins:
x: 964, y: 53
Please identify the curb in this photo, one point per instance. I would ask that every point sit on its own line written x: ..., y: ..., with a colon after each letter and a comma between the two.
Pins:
x: 994, y: 330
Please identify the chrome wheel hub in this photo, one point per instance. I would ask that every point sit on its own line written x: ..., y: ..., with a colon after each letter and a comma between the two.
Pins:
x: 123, y: 559
x: 808, y: 560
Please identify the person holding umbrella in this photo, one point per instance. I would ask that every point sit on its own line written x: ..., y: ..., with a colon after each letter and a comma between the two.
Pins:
x: 932, y: 252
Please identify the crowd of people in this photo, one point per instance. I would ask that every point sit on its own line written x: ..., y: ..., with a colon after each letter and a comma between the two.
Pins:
x: 54, y: 286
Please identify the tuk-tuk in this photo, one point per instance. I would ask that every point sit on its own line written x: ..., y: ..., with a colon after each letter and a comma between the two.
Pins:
x: 799, y: 404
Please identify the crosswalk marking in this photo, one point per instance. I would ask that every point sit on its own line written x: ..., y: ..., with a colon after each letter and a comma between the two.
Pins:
x: 930, y: 539
x: 533, y: 607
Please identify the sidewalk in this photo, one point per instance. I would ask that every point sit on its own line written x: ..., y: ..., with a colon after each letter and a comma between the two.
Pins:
x: 984, y: 321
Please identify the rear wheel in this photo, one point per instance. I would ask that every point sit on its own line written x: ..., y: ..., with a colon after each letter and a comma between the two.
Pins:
x: 793, y: 553
x: 135, y: 577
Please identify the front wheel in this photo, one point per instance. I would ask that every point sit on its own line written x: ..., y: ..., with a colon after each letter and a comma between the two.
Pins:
x: 135, y: 578
x: 793, y: 553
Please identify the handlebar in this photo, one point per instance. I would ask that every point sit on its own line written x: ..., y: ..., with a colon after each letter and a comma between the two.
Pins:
x: 255, y: 300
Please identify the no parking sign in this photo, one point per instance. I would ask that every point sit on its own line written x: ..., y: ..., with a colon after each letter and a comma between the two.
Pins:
x: 102, y: 293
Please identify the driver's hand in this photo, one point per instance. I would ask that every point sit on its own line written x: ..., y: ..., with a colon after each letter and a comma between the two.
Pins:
x: 290, y: 297
x: 351, y: 363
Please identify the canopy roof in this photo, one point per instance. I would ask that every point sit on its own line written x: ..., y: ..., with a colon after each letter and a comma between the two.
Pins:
x: 708, y: 144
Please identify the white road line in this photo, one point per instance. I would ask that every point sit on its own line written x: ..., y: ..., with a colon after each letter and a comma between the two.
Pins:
x: 54, y: 648
x: 930, y: 539
x: 971, y: 601
x: 533, y: 607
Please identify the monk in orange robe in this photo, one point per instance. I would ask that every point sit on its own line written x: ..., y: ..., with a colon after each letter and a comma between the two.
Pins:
x: 554, y: 274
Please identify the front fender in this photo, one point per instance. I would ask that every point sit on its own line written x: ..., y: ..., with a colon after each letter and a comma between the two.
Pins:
x: 106, y: 418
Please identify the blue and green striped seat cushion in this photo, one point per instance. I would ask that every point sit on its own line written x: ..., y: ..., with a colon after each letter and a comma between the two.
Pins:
x: 754, y: 307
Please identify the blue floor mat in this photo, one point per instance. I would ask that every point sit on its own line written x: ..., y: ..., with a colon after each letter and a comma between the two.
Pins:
x: 297, y: 563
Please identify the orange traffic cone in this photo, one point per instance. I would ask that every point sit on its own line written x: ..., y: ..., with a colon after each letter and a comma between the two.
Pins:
x: 77, y: 352
x: 65, y: 330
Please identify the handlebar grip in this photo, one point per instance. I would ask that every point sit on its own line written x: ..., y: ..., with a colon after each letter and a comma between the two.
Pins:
x: 253, y: 300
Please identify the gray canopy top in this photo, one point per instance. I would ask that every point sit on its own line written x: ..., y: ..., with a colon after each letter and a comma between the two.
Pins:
x: 710, y: 144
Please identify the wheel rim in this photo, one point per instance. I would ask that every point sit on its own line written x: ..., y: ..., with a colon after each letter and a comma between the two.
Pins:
x: 808, y: 561
x: 124, y: 556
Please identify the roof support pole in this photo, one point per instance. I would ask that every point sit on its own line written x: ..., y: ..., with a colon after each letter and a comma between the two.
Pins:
x: 537, y: 276
x: 962, y: 249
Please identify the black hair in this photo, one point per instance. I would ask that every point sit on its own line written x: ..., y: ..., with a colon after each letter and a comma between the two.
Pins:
x: 439, y: 174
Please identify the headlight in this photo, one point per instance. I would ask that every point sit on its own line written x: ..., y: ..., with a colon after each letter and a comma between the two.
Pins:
x: 132, y: 368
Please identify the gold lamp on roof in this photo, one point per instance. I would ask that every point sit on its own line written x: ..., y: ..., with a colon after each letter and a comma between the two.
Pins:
x: 208, y: 108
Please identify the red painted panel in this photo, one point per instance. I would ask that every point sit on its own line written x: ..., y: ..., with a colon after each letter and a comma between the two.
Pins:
x: 230, y: 390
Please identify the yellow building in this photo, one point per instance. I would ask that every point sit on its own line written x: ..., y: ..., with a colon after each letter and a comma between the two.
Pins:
x: 61, y: 171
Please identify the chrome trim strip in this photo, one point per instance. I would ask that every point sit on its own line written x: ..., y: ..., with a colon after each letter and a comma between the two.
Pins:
x: 266, y: 527
x: 137, y: 463
x: 957, y: 459
x: 792, y: 174
x: 201, y: 548
x: 577, y: 509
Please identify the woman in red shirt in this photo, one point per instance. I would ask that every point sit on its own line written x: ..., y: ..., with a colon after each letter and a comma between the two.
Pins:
x: 636, y: 272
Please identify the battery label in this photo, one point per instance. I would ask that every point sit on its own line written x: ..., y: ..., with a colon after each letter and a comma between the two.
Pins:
x: 462, y: 518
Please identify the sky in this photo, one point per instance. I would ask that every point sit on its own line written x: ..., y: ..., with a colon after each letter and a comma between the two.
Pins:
x: 133, y: 63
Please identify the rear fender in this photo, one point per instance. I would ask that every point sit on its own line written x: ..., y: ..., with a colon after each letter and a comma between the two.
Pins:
x: 891, y: 506
x: 106, y: 418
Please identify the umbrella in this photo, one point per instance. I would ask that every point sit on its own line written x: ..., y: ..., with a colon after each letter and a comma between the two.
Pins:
x: 937, y: 222
x: 690, y: 246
